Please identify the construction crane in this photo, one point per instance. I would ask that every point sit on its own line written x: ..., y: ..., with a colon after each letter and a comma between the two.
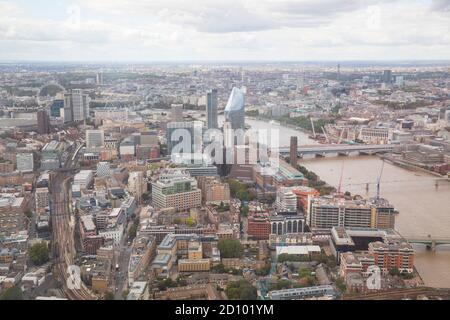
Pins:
x: 313, y: 129
x: 339, y: 190
x: 341, y: 135
x: 325, y: 134
x: 379, y: 181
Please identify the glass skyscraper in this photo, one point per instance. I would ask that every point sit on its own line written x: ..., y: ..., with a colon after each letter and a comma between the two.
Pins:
x: 235, y: 109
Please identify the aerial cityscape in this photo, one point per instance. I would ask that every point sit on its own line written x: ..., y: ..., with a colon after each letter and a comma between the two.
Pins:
x: 239, y: 177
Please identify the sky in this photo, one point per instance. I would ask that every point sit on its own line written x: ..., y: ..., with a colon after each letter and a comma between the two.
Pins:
x: 230, y: 30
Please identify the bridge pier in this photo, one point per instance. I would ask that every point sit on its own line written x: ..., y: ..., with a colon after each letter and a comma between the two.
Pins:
x: 321, y: 155
x: 343, y: 154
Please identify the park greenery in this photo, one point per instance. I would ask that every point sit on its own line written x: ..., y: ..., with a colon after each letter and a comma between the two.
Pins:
x: 13, y: 293
x: 240, y: 190
x: 39, y: 253
x: 241, y: 290
x: 230, y: 248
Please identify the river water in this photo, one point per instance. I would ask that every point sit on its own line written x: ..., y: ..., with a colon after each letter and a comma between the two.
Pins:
x: 424, y: 208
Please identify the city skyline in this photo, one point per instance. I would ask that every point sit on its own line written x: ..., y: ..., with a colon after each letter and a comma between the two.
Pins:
x: 237, y: 31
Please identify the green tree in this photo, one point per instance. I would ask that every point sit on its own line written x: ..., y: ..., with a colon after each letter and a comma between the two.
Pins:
x: 241, y: 290
x: 394, y: 272
x: 39, y: 253
x: 340, y: 285
x: 230, y: 248
x: 109, y: 296
x: 14, y: 293
x: 244, y: 211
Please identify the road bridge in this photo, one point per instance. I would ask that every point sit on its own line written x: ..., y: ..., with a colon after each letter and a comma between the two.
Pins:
x: 430, y: 242
x: 340, y: 149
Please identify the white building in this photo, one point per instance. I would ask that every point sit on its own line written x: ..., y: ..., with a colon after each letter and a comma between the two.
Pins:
x: 84, y: 178
x: 25, y: 162
x: 286, y: 200
x: 115, y: 234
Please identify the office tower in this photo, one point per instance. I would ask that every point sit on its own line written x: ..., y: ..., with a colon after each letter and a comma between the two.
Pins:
x: 99, y: 79
x: 55, y: 109
x: 25, y: 162
x: 176, y: 112
x: 235, y: 109
x: 95, y: 139
x: 293, y: 152
x: 186, y: 136
x: 211, y: 109
x: 76, y: 106
x: 399, y: 81
x: 387, y: 76
x: 176, y: 189
x: 338, y: 72
x: 334, y: 212
x: 43, y: 122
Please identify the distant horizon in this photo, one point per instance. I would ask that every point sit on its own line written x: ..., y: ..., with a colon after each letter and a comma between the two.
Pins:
x: 228, y: 61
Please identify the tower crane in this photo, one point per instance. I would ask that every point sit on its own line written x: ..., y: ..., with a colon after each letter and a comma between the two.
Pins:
x: 379, y: 181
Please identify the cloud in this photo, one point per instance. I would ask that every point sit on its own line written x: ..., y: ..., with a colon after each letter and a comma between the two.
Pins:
x: 216, y: 30
x: 440, y: 5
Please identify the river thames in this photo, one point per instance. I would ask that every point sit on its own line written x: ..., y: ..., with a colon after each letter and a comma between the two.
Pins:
x: 424, y: 208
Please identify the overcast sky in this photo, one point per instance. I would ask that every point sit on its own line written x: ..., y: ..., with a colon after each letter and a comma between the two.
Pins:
x: 166, y: 30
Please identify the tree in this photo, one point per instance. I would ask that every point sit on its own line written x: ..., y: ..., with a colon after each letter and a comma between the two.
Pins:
x: 230, y: 248
x: 125, y: 294
x: 394, y: 272
x: 109, y: 296
x: 241, y: 290
x: 39, y: 253
x: 340, y: 285
x: 29, y: 213
x: 14, y: 293
x: 244, y: 211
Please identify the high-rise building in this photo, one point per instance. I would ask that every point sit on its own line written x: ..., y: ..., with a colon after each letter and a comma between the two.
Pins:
x: 25, y: 162
x: 95, y: 139
x: 43, y: 122
x: 211, y: 110
x: 176, y: 112
x: 99, y: 79
x: 293, y: 152
x: 56, y: 107
x: 387, y: 76
x: 176, y: 189
x: 76, y: 106
x: 235, y: 109
x: 336, y: 212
